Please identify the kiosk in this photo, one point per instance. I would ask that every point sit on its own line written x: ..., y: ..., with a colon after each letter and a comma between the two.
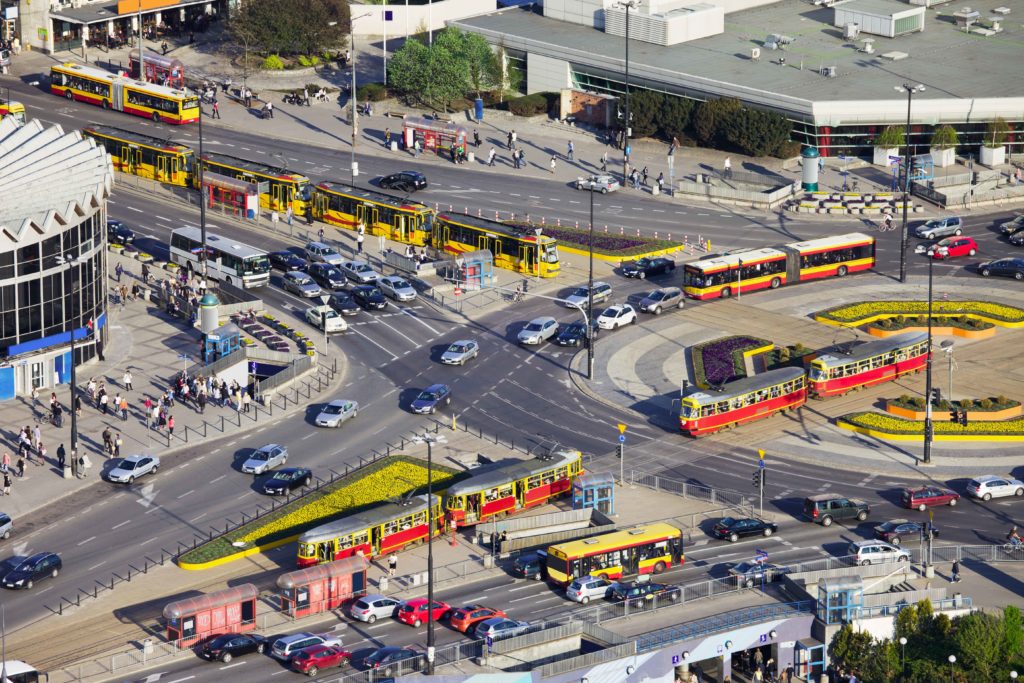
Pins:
x: 237, y: 196
x: 323, y: 587
x: 433, y: 134
x: 228, y: 610
x: 594, y: 491
x: 221, y: 341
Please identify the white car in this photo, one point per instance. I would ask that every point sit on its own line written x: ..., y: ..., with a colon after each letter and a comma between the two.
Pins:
x: 876, y: 552
x: 989, y: 486
x: 396, y: 288
x: 371, y: 607
x: 286, y: 647
x: 336, y: 412
x: 325, y: 316
x: 133, y: 467
x: 603, y: 183
x: 616, y: 316
x: 581, y: 295
x: 359, y: 272
x: 265, y: 458
x: 538, y: 330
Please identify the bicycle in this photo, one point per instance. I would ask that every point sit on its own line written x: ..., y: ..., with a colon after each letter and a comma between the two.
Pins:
x: 887, y: 223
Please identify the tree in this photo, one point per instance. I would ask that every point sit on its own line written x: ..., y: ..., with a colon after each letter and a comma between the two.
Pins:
x: 850, y: 649
x: 1013, y: 633
x: 406, y: 73
x: 883, y: 666
x: 890, y: 138
x: 308, y: 27
x: 445, y: 78
x: 475, y: 53
x: 996, y: 132
x: 756, y: 132
x: 645, y: 107
x: 945, y: 137
x: 675, y: 116
x: 978, y: 638
x: 709, y: 118
x: 905, y: 625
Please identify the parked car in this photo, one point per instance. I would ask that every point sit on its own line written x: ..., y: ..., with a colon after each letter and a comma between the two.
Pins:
x: 414, y: 612
x: 265, y: 458
x: 581, y: 295
x: 430, y: 399
x: 460, y: 352
x: 327, y: 276
x: 939, y: 227
x: 985, y: 487
x: 951, y: 247
x: 531, y: 565
x: 404, y: 181
x: 876, y: 552
x: 358, y: 272
x: 318, y: 251
x: 397, y: 288
x: 26, y: 573
x: 497, y: 628
x: 369, y: 297
x: 896, y: 530
x: 1007, y: 267
x: 323, y: 316
x: 119, y: 233
x: 465, y: 618
x: 538, y: 330
x: 644, y: 590
x: 1010, y: 227
x: 300, y: 284
x: 732, y: 529
x: 343, y: 303
x: 826, y: 508
x: 584, y: 588
x: 6, y: 526
x: 603, y: 183
x: 614, y: 317
x: 663, y: 298
x: 287, y: 480
x: 374, y: 606
x: 390, y: 660
x: 134, y: 466
x: 227, y: 646
x: 749, y: 574
x: 313, y: 660
x: 646, y: 267
x: 337, y: 412
x: 573, y: 334
x: 1017, y: 238
x: 928, y: 496
x: 286, y: 260
x: 286, y: 647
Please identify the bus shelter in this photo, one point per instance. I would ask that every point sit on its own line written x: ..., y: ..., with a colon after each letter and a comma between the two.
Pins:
x: 432, y: 134
x: 159, y: 69
x: 238, y: 196
x: 228, y: 610
x: 323, y: 587
x: 476, y: 269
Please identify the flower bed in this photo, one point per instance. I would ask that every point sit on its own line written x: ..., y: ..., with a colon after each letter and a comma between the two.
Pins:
x: 962, y: 322
x: 608, y: 244
x: 864, y: 312
x: 980, y: 405
x: 379, y: 481
x: 880, y: 424
x: 722, y: 360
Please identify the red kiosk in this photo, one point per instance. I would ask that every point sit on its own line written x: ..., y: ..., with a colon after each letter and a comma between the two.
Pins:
x: 232, y: 610
x: 433, y: 134
x: 323, y: 587
x: 159, y: 69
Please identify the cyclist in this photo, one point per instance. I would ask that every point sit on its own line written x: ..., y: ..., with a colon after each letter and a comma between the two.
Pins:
x: 888, y: 221
x: 1014, y: 538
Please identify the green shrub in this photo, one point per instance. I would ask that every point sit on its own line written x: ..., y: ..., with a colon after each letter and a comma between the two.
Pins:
x: 904, y: 399
x: 985, y: 403
x: 272, y: 63
x: 373, y: 92
x: 783, y: 354
x: 917, y: 402
x: 529, y: 105
x: 890, y: 137
x: 1003, y: 402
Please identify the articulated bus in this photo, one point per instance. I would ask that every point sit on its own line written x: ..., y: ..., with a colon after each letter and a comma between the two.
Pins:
x: 771, y: 267
x: 110, y: 91
x: 19, y: 672
x: 511, y: 487
x: 871, y: 363
x: 648, y: 549
x: 521, y: 250
x: 226, y: 260
x: 279, y: 187
x: 375, y: 532
x: 396, y: 219
x: 145, y: 156
x: 751, y: 398
x: 15, y: 110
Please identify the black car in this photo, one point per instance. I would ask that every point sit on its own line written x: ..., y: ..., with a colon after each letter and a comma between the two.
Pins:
x: 327, y: 276
x: 749, y: 574
x: 1008, y: 267
x: 343, y: 303
x: 404, y: 181
x: 390, y: 660
x: 897, y: 530
x: 733, y: 529
x: 646, y: 267
x: 286, y: 480
x: 369, y: 297
x: 119, y: 233
x: 572, y: 335
x: 32, y: 569
x: 531, y: 565
x: 227, y: 646
x: 286, y: 260
x: 644, y: 590
x: 1017, y: 238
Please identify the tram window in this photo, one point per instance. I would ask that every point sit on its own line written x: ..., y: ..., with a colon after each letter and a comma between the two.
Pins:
x: 345, y: 542
x: 533, y: 482
x: 361, y: 538
x: 707, y: 411
x: 736, y: 403
x: 774, y: 392
x: 547, y: 478
x: 750, y: 399
x: 562, y: 473
x: 390, y: 527
x: 492, y: 494
x: 876, y: 362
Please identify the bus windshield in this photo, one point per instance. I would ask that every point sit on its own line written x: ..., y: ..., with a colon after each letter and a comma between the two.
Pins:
x: 557, y: 564
x: 689, y: 410
x: 190, y: 103
x: 257, y: 264
x: 818, y: 373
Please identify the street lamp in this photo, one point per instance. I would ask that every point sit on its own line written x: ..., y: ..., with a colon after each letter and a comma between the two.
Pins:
x: 591, y: 339
x: 903, y: 655
x: 626, y: 5
x: 952, y: 661
x: 72, y: 263
x: 430, y: 553
x: 354, y: 170
x: 324, y: 298
x: 928, y: 373
x: 1013, y: 675
x: 947, y: 346
x: 910, y: 90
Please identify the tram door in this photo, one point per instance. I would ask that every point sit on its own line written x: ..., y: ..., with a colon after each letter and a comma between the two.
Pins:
x: 162, y: 172
x: 278, y: 196
x: 130, y: 159
x: 528, y: 259
x: 321, y: 202
x: 325, y: 551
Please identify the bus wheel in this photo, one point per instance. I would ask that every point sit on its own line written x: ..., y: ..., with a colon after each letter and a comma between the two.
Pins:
x: 659, y: 568
x: 156, y: 117
x: 105, y: 104
x: 841, y: 271
x: 775, y: 283
x: 726, y: 292
x: 68, y: 94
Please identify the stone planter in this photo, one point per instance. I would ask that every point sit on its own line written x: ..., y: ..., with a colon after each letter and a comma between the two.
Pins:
x: 989, y: 415
x: 116, y: 248
x: 882, y: 154
x: 143, y: 258
x: 936, y: 329
x: 993, y: 156
x: 943, y: 156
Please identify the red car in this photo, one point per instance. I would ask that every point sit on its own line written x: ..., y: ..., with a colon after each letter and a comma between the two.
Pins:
x: 466, y: 617
x: 952, y: 247
x: 414, y: 612
x: 928, y: 496
x: 315, y: 659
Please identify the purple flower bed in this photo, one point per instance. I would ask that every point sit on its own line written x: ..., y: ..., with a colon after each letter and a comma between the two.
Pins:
x: 721, y: 360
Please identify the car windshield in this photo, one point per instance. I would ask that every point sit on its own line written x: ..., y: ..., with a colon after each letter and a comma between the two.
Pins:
x: 343, y: 298
x: 610, y: 312
x: 259, y: 455
x: 657, y: 295
x: 372, y: 291
x: 302, y: 279
x: 579, y: 291
x: 332, y: 273
x: 727, y: 521
x: 130, y: 464
x: 282, y: 476
x: 361, y: 268
x: 399, y: 284
x: 534, y: 327
x: 427, y: 396
x: 458, y: 348
x: 743, y: 567
x: 643, y: 263
x: 259, y: 264
x: 333, y: 410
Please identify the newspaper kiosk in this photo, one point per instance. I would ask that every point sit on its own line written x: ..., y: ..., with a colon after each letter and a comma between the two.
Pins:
x: 322, y: 587
x: 228, y: 610
x: 432, y: 134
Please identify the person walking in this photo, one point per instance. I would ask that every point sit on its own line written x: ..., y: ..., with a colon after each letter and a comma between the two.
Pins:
x: 571, y: 149
x: 156, y: 417
x: 288, y: 216
x: 643, y: 176
x: 21, y: 468
x: 127, y: 380
x: 37, y: 437
x: 510, y: 140
x: 248, y: 98
x: 476, y: 138
x: 392, y: 564
x: 77, y: 408
x: 246, y: 400
x: 170, y: 425
x: 7, y: 483
x: 124, y: 408
x: 554, y: 161
x: 515, y: 158
x: 84, y: 463
x: 490, y: 157
x: 727, y: 167
x: 604, y: 162
x: 117, y: 271
x: 360, y: 236
x: 387, y: 138
x: 35, y: 399
x: 216, y: 108
x: 515, y: 138
x: 118, y: 442
x: 61, y: 457
x: 661, y: 182
x: 104, y: 402
x: 270, y: 109
x: 108, y: 441
x: 955, y: 572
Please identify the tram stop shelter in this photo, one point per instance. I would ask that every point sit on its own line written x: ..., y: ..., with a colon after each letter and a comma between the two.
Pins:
x: 239, y: 197
x: 222, y: 341
x: 432, y: 133
x: 323, y: 587
x: 158, y: 69
x: 476, y: 269
x: 228, y: 610
x: 595, y: 491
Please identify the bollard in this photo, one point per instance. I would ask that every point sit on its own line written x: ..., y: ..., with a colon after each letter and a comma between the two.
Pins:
x: 655, y: 235
x: 577, y: 225
x: 479, y: 213
x: 638, y: 232
x: 495, y: 215
x: 707, y: 246
x: 622, y: 230
x: 558, y: 222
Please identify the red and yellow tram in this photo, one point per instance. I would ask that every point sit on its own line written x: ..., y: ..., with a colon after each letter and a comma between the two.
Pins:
x: 751, y: 398
x: 871, y: 363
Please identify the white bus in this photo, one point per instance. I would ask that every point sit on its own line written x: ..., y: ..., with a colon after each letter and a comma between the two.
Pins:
x: 19, y: 672
x: 232, y: 262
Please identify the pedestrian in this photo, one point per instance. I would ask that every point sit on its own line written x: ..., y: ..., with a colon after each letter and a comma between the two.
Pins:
x: 124, y: 408
x: 490, y: 157
x: 553, y: 163
x: 7, y: 484
x: 127, y: 379
x: 288, y: 216
x: 515, y: 138
x: 117, y: 271
x: 5, y: 461
x: 515, y: 158
x: 35, y: 399
x: 510, y: 140
x: 387, y: 137
x: 157, y: 416
x: 246, y: 400
x: 216, y: 108
x: 104, y: 402
x: 84, y: 463
x: 758, y: 658
x: 61, y: 456
x: 270, y: 108
x: 42, y: 454
x: 604, y: 162
x: 248, y: 98
x: 392, y: 564
x: 118, y: 442
x: 476, y: 138
x: 661, y: 182
x: 570, y: 149
x: 108, y: 441
x: 727, y: 167
x: 170, y: 425
x: 643, y: 175
x: 955, y: 572
x: 37, y: 437
x: 416, y: 148
x: 21, y: 468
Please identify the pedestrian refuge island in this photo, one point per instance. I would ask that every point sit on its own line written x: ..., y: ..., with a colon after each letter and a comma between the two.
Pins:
x: 224, y: 611
x: 323, y: 587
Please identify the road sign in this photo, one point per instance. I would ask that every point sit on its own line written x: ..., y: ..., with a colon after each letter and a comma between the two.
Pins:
x: 760, y: 556
x: 894, y: 160
x: 622, y: 438
x: 252, y: 367
x: 490, y: 642
x: 622, y: 428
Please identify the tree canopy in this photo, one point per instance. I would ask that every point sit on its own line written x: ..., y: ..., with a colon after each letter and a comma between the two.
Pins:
x: 303, y: 27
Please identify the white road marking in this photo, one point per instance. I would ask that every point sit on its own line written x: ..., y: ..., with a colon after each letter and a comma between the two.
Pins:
x: 416, y: 318
x: 118, y: 526
x: 382, y: 348
x: 91, y: 538
x: 187, y: 493
x: 214, y: 481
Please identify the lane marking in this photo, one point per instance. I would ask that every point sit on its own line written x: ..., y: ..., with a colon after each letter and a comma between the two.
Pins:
x: 118, y: 526
x: 187, y: 493
x: 91, y: 538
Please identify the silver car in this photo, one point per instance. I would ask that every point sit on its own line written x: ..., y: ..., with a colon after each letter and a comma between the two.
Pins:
x: 370, y: 608
x: 265, y: 458
x: 538, y: 330
x: 496, y: 628
x: 133, y: 467
x: 939, y: 227
x: 337, y: 412
x: 603, y: 183
x: 286, y: 647
x: 6, y: 526
x: 300, y: 283
x: 459, y: 352
x: 581, y: 295
x: 663, y: 298
x: 396, y: 288
x: 359, y: 272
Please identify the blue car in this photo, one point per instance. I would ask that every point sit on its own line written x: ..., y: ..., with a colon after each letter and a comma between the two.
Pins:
x: 430, y: 398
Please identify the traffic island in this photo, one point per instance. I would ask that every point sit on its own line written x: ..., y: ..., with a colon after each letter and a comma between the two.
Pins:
x: 965, y: 318
x: 892, y: 427
x: 727, y: 359
x: 612, y: 245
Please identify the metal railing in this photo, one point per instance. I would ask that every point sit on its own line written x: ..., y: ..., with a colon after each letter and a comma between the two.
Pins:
x: 732, y: 499
x: 944, y: 605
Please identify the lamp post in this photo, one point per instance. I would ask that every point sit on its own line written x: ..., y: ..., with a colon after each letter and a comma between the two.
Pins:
x: 627, y: 5
x: 591, y: 338
x: 354, y: 170
x: 202, y: 196
x: 903, y: 656
x: 1013, y: 675
x: 142, y: 69
x: 910, y: 90
x: 324, y: 298
x: 952, y: 662
x: 947, y: 346
x: 72, y: 263
x: 430, y: 553
x: 928, y: 374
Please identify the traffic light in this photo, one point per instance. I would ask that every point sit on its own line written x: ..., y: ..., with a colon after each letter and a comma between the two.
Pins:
x: 757, y: 479
x: 936, y: 396
x: 954, y: 416
x: 620, y: 450
x: 963, y: 418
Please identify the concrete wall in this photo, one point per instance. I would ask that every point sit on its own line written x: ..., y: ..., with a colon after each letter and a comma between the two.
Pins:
x: 690, y: 21
x: 586, y: 12
x: 545, y: 74
x: 407, y: 21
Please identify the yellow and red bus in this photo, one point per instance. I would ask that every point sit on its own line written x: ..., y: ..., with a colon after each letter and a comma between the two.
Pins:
x: 873, y: 362
x: 396, y: 219
x: 145, y: 156
x: 771, y: 267
x: 378, y: 531
x: 120, y: 93
x: 524, y: 250
x: 647, y: 549
x: 279, y: 188
x: 744, y: 400
x: 511, y: 487
x: 15, y: 110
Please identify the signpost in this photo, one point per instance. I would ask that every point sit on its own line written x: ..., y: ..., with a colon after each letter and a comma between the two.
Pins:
x: 759, y: 479
x: 622, y: 453
x: 761, y: 559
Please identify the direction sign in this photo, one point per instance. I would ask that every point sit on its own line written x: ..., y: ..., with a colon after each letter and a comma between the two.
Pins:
x: 490, y: 642
x: 760, y: 555
x: 183, y: 356
x: 622, y: 438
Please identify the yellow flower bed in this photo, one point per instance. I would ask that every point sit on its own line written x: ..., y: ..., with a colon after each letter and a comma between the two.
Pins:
x: 867, y: 311
x: 898, y: 425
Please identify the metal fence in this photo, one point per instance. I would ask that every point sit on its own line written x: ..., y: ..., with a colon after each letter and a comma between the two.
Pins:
x: 725, y: 497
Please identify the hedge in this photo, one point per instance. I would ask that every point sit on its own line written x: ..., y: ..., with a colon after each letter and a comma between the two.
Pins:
x: 532, y: 105
x: 981, y: 405
x: 374, y: 92
x: 962, y: 322
x: 609, y: 244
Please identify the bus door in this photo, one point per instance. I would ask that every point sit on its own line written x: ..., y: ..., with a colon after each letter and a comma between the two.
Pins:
x: 629, y: 559
x: 325, y: 551
x: 528, y: 259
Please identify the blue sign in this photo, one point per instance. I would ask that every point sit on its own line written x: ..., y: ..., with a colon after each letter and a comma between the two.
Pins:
x: 388, y: 15
x: 622, y: 438
x: 252, y: 367
x: 490, y: 642
x: 894, y: 159
x: 183, y: 356
x: 760, y: 464
x: 842, y: 157
x: 760, y: 555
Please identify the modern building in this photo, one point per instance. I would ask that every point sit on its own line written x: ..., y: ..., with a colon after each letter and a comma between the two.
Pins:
x: 835, y: 69
x: 55, y: 186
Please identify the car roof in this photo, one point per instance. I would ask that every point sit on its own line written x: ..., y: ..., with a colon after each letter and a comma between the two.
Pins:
x: 364, y: 288
x: 436, y: 387
x: 289, y: 470
x: 294, y: 637
x: 542, y: 320
x: 462, y: 341
x: 269, y: 446
x: 135, y: 458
